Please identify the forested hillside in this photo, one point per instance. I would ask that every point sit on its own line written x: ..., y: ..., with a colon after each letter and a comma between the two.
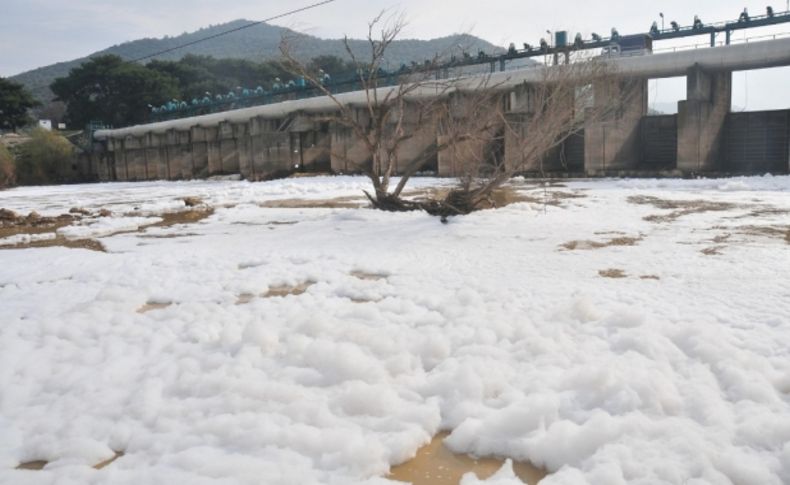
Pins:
x: 258, y: 43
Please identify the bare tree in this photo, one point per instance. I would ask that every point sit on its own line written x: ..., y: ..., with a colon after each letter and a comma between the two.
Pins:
x: 487, y: 131
x: 514, y: 132
x: 393, y: 110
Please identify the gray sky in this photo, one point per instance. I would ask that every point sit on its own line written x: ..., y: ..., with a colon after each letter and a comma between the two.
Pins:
x: 35, y: 33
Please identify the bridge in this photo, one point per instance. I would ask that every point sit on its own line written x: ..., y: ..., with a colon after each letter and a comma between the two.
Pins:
x: 704, y: 137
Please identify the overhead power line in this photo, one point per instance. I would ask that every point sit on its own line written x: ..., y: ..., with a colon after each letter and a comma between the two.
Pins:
x: 220, y: 34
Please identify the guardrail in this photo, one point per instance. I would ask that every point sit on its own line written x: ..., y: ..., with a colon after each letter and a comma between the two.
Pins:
x: 241, y: 100
x: 706, y: 45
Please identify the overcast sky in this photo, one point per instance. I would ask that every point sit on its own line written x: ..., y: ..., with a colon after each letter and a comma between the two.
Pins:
x: 35, y: 33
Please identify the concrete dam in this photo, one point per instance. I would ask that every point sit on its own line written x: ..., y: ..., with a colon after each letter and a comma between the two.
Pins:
x: 266, y: 141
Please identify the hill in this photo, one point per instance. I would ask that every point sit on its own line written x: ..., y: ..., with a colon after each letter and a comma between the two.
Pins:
x: 258, y: 43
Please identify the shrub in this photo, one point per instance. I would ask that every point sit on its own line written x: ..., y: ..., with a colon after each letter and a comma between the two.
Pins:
x: 45, y: 159
x: 7, y: 168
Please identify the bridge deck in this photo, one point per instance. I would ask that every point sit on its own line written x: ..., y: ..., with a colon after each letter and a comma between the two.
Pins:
x: 756, y: 55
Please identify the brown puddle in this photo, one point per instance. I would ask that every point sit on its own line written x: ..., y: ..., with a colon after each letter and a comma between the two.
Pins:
x: 363, y: 275
x: 612, y: 273
x: 32, y: 465
x: 618, y: 241
x: 285, y: 290
x: 353, y: 202
x: 40, y: 464
x: 437, y: 465
x: 60, y: 241
x: 13, y: 224
x: 105, y: 463
x: 245, y: 298
x: 149, y: 307
x: 275, y: 292
x: 680, y: 208
x: 191, y: 216
x: 168, y: 236
x: 713, y: 251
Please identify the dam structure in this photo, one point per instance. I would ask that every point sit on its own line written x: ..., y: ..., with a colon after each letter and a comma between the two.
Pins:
x: 704, y: 137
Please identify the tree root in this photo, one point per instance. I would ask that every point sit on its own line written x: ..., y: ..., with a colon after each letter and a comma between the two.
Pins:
x: 456, y: 203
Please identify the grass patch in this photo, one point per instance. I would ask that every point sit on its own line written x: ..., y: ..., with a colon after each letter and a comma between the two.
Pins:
x: 587, y: 244
x: 613, y: 273
x: 679, y: 208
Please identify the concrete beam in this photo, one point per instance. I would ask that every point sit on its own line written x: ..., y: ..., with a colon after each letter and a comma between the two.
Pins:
x: 701, y: 119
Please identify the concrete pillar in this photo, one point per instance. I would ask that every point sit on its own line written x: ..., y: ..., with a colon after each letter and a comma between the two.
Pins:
x: 316, y: 149
x: 213, y: 150
x: 521, y: 138
x: 349, y: 152
x: 228, y: 150
x: 311, y: 143
x: 140, y: 165
x: 420, y: 147
x: 271, y: 149
x: 459, y: 157
x: 163, y: 168
x: 134, y: 152
x: 177, y: 150
x: 199, y: 168
x: 155, y: 162
x: 111, y: 169
x: 701, y: 119
x: 612, y: 141
x: 244, y: 146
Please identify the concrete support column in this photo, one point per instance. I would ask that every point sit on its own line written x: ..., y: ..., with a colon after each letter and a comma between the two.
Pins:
x: 521, y: 138
x: 612, y: 141
x: 228, y: 150
x: 178, y: 152
x: 316, y: 148
x: 311, y: 143
x: 244, y: 145
x: 112, y: 160
x: 155, y: 159
x: 199, y: 167
x: 701, y: 119
x: 466, y: 156
x: 213, y: 150
x: 270, y: 149
x: 349, y: 152
x: 134, y: 155
x: 420, y: 147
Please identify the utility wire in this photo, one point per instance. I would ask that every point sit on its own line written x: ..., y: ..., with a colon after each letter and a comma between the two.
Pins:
x: 220, y: 34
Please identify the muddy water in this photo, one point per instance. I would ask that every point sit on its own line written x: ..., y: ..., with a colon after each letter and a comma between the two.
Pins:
x: 286, y: 290
x: 40, y: 464
x: 437, y: 465
x: 152, y: 306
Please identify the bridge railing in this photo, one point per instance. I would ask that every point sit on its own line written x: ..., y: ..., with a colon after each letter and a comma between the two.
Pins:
x: 240, y: 101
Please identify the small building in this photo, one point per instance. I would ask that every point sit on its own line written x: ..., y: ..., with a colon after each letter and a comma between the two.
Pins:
x: 45, y: 124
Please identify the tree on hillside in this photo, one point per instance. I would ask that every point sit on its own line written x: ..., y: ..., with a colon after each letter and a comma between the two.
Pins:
x: 7, y: 168
x: 338, y: 68
x: 113, y: 91
x: 197, y: 75
x: 15, y: 101
x: 45, y: 159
